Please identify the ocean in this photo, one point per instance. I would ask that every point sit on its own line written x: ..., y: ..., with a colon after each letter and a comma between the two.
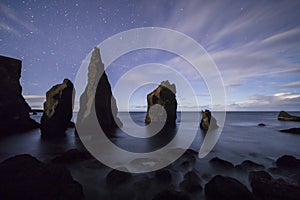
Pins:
x: 241, y: 139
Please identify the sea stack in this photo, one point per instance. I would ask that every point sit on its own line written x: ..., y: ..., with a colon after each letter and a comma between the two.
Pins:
x: 14, y: 110
x: 58, y: 109
x: 98, y: 94
x: 207, y: 120
x: 284, y: 116
x: 162, y: 104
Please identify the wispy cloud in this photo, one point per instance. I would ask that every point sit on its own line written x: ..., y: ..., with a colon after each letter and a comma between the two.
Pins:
x: 295, y: 84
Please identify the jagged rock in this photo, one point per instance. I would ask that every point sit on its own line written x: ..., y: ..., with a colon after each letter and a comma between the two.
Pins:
x: 171, y: 195
x: 221, y: 164
x: 264, y: 186
x: 284, y: 116
x: 207, y: 120
x: 58, y: 109
x: 291, y: 130
x: 14, y: 110
x: 98, y: 94
x: 288, y: 162
x: 25, y: 177
x: 162, y: 104
x: 224, y: 188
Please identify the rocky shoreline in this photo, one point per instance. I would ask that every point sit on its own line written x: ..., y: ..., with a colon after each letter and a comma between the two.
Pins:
x: 180, y: 180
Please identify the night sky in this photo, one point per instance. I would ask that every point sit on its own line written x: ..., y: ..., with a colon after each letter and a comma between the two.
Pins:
x: 255, y: 45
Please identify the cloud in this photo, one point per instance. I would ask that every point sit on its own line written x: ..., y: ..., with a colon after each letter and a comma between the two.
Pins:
x: 12, y: 17
x: 295, y: 84
x: 278, y: 101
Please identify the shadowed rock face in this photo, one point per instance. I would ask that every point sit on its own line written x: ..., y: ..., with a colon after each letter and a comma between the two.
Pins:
x: 208, y: 120
x: 98, y: 93
x: 162, y: 104
x: 14, y: 111
x: 58, y: 109
x: 284, y: 116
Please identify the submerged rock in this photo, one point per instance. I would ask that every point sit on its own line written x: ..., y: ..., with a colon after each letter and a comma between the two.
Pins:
x: 265, y: 187
x: 98, y: 94
x: 162, y: 104
x: 25, y: 177
x: 284, y: 116
x: 171, y: 195
x: 249, y: 165
x: 58, y: 109
x: 14, y: 110
x: 221, y: 187
x: 71, y: 156
x: 207, y: 120
x: 291, y: 130
x: 261, y: 124
x: 115, y: 178
x: 191, y: 182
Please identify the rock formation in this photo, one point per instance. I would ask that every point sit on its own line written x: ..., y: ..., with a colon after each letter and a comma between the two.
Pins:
x: 162, y: 104
x: 58, y: 109
x: 25, y: 177
x: 14, y: 111
x: 284, y: 116
x: 98, y: 93
x: 207, y: 120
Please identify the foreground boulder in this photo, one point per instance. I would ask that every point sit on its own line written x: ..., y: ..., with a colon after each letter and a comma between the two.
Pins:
x: 265, y: 187
x: 162, y: 104
x: 225, y: 188
x: 98, y: 95
x: 221, y: 164
x: 207, y: 120
x: 14, y: 111
x: 25, y: 177
x: 284, y: 116
x: 58, y: 109
x: 288, y: 162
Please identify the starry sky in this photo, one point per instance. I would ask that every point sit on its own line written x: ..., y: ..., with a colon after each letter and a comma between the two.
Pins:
x: 255, y: 45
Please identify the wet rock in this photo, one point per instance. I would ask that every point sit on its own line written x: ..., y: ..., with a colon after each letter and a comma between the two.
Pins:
x: 284, y: 116
x: 14, y: 110
x: 249, y: 166
x: 162, y: 104
x: 288, y: 162
x: 58, y: 109
x: 71, y: 156
x: 171, y: 195
x: 265, y: 187
x: 207, y: 120
x: 97, y: 99
x: 220, y: 187
x: 115, y: 178
x: 221, y: 164
x: 291, y: 130
x: 25, y: 177
x: 261, y: 124
x: 191, y: 182
x: 163, y: 175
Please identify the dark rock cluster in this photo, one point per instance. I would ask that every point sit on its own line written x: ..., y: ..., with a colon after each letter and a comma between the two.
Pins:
x: 25, y: 177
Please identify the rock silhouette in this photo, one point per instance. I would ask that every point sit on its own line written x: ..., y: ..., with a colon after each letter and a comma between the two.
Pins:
x: 284, y: 116
x: 14, y: 110
x: 98, y: 93
x: 207, y: 120
x: 58, y: 109
x: 25, y: 177
x: 162, y: 104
